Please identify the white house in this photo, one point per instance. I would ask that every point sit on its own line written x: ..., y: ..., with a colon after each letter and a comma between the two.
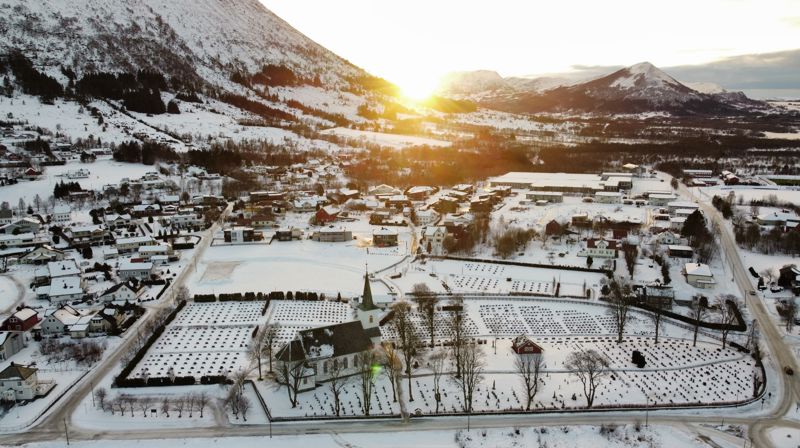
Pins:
x: 19, y: 382
x: 122, y: 291
x: 57, y: 321
x: 698, y: 275
x: 133, y: 243
x: 599, y: 249
x: 18, y: 240
x: 433, y: 239
x: 62, y: 289
x: 61, y: 214
x: 140, y: 271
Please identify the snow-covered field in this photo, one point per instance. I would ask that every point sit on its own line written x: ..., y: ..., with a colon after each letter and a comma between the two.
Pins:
x: 102, y: 172
x: 749, y: 193
x: 619, y: 436
x: 204, y: 339
x: 384, y: 139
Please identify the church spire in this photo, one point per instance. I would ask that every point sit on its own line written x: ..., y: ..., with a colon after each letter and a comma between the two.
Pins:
x: 366, y: 298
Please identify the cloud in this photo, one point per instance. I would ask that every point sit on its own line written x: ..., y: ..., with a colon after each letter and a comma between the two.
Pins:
x: 792, y: 21
x: 777, y: 70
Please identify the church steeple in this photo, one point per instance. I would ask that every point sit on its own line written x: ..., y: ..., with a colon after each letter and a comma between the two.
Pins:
x: 366, y: 298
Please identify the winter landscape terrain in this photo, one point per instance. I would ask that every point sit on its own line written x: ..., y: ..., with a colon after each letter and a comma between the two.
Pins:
x: 216, y: 232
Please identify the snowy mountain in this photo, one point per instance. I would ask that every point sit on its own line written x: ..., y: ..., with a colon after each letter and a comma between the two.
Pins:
x: 635, y: 89
x: 198, y: 39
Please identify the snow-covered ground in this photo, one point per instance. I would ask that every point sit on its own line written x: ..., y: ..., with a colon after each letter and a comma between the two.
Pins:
x: 102, y: 172
x: 749, y: 193
x: 384, y: 139
x: 612, y: 436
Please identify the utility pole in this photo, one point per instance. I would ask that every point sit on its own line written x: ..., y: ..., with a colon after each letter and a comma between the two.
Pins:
x: 66, y: 433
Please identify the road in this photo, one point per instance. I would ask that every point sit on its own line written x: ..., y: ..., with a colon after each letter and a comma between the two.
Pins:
x: 778, y: 353
x: 20, y: 294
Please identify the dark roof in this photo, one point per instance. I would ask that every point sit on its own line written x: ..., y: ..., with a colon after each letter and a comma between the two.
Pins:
x: 366, y: 298
x: 116, y: 287
x: 345, y: 338
x: 16, y: 371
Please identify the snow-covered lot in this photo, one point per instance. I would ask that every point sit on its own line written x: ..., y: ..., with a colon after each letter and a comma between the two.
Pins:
x: 204, y: 339
x: 384, y: 139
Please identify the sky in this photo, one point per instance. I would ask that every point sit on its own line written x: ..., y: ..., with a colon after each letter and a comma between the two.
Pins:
x: 413, y: 43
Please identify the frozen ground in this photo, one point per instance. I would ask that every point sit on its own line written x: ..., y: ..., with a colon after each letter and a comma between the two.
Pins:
x: 623, y: 436
x: 204, y: 339
x: 384, y: 139
x: 749, y: 193
x: 103, y: 171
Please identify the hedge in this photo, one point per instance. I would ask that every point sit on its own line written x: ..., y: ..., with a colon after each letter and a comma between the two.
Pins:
x: 122, y: 379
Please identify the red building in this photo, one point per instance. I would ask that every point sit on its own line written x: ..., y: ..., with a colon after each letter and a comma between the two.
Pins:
x: 524, y: 346
x: 327, y: 214
x: 22, y: 320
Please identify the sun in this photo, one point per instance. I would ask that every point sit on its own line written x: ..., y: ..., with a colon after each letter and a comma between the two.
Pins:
x: 416, y: 87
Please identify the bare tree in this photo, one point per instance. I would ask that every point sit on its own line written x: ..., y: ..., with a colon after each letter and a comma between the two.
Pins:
x: 789, y: 314
x: 101, y: 393
x: 130, y: 400
x: 725, y: 315
x: 337, y: 380
x: 472, y: 366
x: 166, y: 405
x: 202, y: 402
x: 620, y: 306
x: 392, y: 366
x: 244, y: 406
x: 120, y: 404
x: 437, y: 362
x: 178, y: 405
x: 271, y: 332
x: 256, y: 350
x: 529, y: 367
x: 697, y: 312
x: 366, y: 361
x: 232, y: 402
x: 407, y: 339
x: 631, y: 253
x: 426, y: 304
x: 290, y: 372
x: 191, y: 400
x: 457, y: 322
x: 591, y: 368
x: 656, y: 315
x: 144, y: 404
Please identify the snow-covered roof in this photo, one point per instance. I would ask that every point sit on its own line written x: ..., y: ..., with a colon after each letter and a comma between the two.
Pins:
x: 62, y: 268
x: 64, y: 286
x: 698, y: 269
x: 135, y: 266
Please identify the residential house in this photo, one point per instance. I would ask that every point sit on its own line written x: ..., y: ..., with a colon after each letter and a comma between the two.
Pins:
x: 680, y: 251
x: 121, y: 292
x: 327, y: 214
x: 600, y: 248
x: 118, y: 221
x: 87, y: 234
x: 138, y: 270
x: 420, y: 192
x: 332, y: 234
x: 22, y: 320
x: 23, y: 225
x: 61, y: 214
x: 131, y: 244
x: 241, y: 234
x: 11, y: 342
x: 698, y: 275
x: 18, y: 382
x: 42, y: 254
x: 18, y: 240
x: 384, y: 237
x: 62, y: 289
x: 57, y: 321
x: 144, y: 210
x: 778, y: 218
x: 433, y: 240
